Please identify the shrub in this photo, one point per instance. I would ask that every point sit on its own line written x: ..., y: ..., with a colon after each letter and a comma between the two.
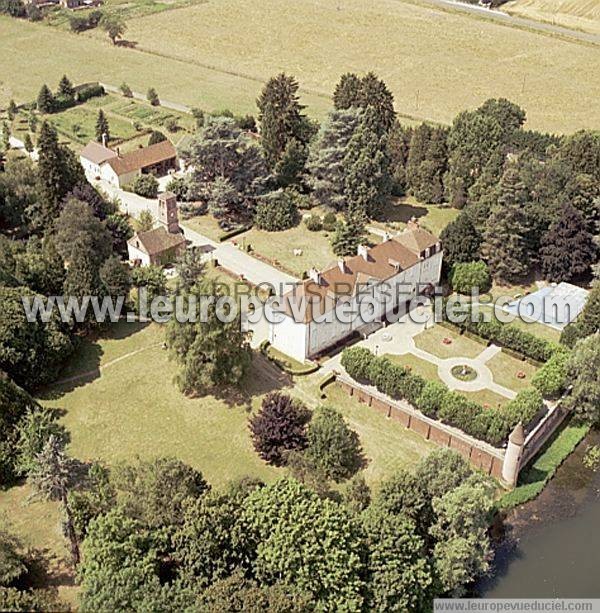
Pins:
x: 523, y: 408
x: 509, y: 336
x: 152, y: 97
x: 172, y: 125
x: 329, y: 222
x: 156, y: 137
x: 126, y: 90
x: 357, y: 362
x: 89, y: 91
x: 551, y: 379
x: 313, y: 223
x: 246, y: 122
x: 468, y: 275
x: 431, y: 398
x: 279, y: 427
x: 333, y: 448
x: 146, y: 186
x: 179, y: 186
x: 276, y: 211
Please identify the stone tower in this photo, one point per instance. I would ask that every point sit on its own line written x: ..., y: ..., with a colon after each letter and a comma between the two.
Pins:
x: 512, y: 457
x: 167, y: 212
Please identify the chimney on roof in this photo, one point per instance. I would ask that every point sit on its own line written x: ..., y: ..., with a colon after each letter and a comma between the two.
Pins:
x: 342, y: 265
x: 363, y: 251
x: 104, y: 139
x: 387, y: 237
x: 413, y: 223
x: 314, y: 275
x: 118, y: 152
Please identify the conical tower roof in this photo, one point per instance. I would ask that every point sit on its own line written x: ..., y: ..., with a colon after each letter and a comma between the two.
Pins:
x: 517, y: 436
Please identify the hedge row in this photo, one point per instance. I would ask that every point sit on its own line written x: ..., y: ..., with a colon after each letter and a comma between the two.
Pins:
x: 508, y: 336
x: 434, y: 399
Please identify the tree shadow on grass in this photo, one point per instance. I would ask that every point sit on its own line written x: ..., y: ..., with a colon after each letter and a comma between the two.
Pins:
x: 263, y: 377
x: 399, y: 211
x: 83, y: 366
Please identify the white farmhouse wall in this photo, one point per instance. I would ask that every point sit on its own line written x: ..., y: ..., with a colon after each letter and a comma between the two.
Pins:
x: 301, y: 341
x: 289, y: 337
x: 137, y: 254
x: 92, y: 170
x: 108, y: 174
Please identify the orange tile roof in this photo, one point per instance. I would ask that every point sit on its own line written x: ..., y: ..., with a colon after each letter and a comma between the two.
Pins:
x: 156, y: 241
x: 97, y: 153
x: 383, y: 262
x: 140, y: 158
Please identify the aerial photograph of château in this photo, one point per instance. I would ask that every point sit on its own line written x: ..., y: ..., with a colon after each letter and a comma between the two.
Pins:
x: 299, y: 306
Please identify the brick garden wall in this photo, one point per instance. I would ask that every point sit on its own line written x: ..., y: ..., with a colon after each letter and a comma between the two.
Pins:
x: 479, y: 454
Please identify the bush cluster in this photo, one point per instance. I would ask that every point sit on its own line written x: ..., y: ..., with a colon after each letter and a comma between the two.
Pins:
x: 510, y: 337
x: 465, y: 276
x: 145, y: 185
x: 88, y: 21
x: 89, y: 91
x: 277, y: 211
x: 490, y: 424
x: 551, y: 379
x: 313, y: 223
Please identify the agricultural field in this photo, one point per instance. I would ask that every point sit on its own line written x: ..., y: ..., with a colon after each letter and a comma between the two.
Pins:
x: 216, y: 55
x: 130, y: 122
x: 576, y: 14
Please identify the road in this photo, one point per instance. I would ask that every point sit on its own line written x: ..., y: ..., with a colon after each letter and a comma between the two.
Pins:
x: 512, y: 20
x: 228, y: 255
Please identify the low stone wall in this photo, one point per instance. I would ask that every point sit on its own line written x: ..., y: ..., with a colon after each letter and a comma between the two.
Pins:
x: 481, y: 455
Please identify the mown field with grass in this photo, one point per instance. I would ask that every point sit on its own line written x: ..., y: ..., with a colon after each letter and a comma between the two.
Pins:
x: 576, y: 14
x: 217, y: 55
x: 437, y: 63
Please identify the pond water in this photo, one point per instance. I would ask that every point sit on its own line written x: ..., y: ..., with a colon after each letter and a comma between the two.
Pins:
x: 551, y: 546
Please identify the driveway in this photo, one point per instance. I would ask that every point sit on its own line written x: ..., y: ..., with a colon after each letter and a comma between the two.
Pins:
x: 228, y: 255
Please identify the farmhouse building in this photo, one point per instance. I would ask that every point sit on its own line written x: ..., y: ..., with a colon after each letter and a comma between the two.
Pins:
x: 120, y: 169
x: 160, y: 245
x: 328, y: 307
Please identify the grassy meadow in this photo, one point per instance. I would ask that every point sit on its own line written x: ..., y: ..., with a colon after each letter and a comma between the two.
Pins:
x: 218, y: 54
x: 576, y: 14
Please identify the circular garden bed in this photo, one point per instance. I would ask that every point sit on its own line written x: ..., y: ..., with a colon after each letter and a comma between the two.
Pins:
x: 462, y: 372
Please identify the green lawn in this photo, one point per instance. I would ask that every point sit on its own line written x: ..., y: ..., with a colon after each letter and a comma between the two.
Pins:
x: 505, y: 368
x: 431, y: 340
x: 430, y: 216
x: 79, y: 125
x: 132, y: 407
x: 486, y: 396
x: 37, y: 523
x: 387, y: 444
x: 206, y: 225
x: 417, y: 365
x: 278, y: 248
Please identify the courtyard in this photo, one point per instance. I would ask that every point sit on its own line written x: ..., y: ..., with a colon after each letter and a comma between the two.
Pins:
x: 483, y: 373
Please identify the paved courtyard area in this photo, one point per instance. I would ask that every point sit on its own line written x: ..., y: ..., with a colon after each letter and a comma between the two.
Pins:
x: 437, y: 350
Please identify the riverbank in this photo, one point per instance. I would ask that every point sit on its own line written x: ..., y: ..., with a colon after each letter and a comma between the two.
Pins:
x: 550, y: 547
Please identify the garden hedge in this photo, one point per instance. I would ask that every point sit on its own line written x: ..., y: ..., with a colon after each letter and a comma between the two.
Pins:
x: 510, y: 337
x: 434, y: 399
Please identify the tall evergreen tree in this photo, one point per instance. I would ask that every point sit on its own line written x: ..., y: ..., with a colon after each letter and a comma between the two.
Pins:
x: 45, y: 100
x: 352, y: 91
x: 102, y: 127
x: 51, y: 479
x: 58, y: 173
x: 461, y: 241
x: 289, y: 169
x: 326, y: 161
x: 280, y: 115
x: 349, y: 234
x: 426, y: 164
x: 347, y: 92
x: 65, y: 87
x: 367, y: 182
x: 568, y: 249
x: 506, y: 246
